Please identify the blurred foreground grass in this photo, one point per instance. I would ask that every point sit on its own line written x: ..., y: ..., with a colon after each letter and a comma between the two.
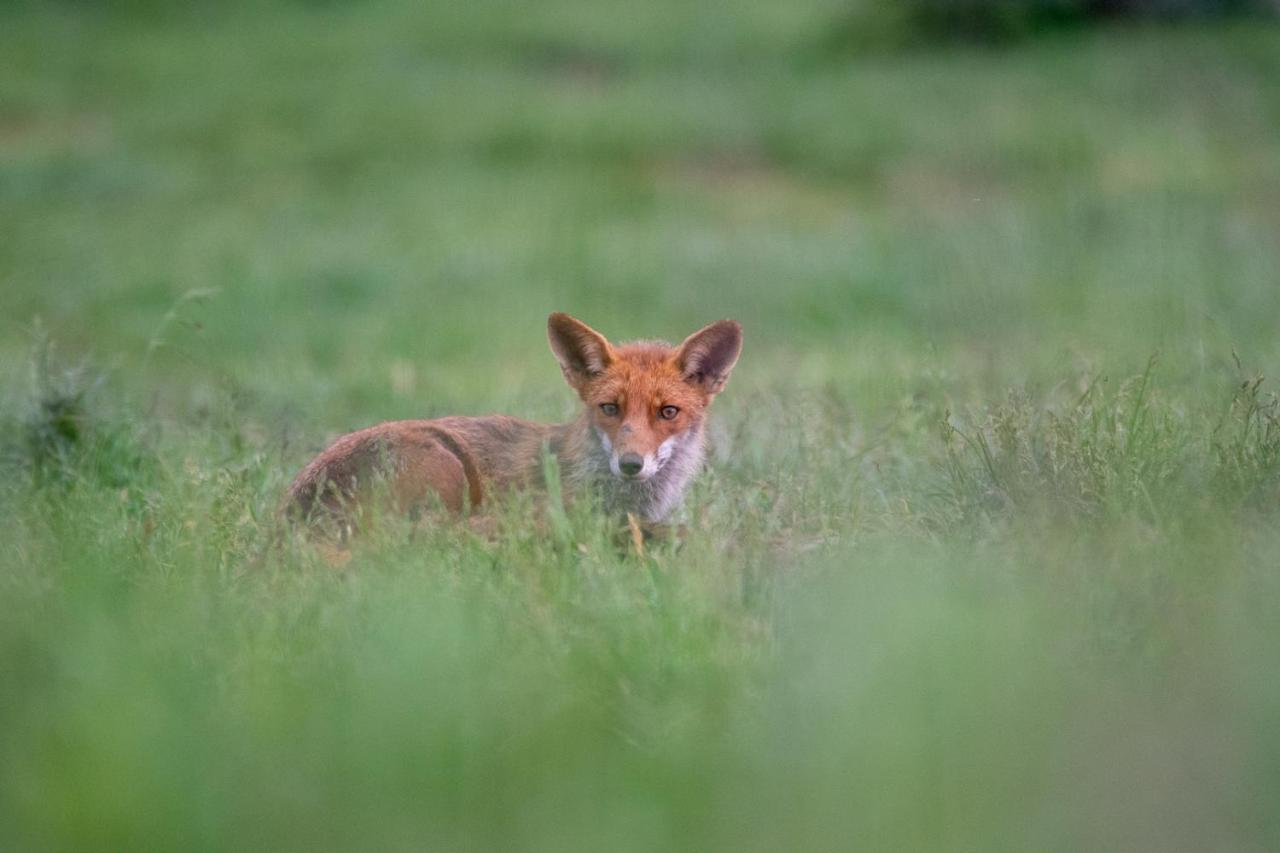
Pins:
x: 968, y: 572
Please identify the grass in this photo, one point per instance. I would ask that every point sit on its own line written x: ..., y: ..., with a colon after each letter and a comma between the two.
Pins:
x: 985, y: 556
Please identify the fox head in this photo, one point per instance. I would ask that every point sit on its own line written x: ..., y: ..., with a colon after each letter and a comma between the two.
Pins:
x: 644, y: 399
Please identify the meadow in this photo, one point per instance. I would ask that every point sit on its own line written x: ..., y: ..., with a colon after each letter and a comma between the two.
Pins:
x: 986, y: 554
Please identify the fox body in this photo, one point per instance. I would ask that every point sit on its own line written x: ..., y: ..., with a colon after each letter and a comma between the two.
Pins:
x: 637, y: 443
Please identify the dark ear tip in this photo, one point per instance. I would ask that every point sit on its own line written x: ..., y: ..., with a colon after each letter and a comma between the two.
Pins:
x: 733, y: 326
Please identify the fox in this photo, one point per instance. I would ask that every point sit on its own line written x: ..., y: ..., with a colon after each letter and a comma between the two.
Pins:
x: 636, y: 445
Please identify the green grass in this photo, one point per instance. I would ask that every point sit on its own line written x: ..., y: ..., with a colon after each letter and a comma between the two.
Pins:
x: 985, y: 559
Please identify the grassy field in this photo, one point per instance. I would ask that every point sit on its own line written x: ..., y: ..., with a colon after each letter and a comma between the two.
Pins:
x: 987, y: 555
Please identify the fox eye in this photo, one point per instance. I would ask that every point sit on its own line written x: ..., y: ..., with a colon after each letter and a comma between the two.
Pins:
x: 668, y: 413
x: 610, y: 409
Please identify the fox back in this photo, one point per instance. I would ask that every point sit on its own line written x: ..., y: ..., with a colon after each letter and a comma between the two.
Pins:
x: 636, y: 444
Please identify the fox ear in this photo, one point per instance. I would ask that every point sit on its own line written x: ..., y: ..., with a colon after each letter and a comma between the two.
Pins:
x: 581, y: 350
x: 708, y: 355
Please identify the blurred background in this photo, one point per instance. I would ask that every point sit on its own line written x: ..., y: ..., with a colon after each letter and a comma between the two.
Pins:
x: 986, y: 556
x: 289, y: 198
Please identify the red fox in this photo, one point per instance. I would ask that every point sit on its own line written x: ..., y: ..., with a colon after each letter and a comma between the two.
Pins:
x: 636, y: 445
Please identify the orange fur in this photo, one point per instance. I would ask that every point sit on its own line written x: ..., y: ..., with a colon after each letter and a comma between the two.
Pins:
x: 637, y: 442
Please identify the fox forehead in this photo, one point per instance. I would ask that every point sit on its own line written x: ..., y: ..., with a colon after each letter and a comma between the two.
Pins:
x: 644, y: 371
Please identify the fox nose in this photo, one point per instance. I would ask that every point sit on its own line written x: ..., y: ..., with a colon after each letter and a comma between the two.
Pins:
x: 630, y: 464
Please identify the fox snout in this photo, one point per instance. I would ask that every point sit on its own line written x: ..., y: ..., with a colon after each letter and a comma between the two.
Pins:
x: 634, y: 466
x: 630, y: 464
